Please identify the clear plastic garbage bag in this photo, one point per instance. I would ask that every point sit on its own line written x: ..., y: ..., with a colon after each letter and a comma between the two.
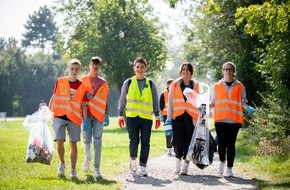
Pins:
x: 201, y: 148
x: 40, y: 142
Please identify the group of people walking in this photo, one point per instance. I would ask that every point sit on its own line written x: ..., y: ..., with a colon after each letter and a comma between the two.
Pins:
x: 80, y: 106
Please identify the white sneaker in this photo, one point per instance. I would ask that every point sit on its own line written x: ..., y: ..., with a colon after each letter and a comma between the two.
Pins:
x: 73, y: 174
x: 133, y: 165
x: 97, y: 172
x: 142, y: 171
x: 184, y: 169
x: 222, y: 168
x: 229, y: 172
x: 86, y: 165
x: 60, y: 169
x: 169, y: 151
x: 177, y: 165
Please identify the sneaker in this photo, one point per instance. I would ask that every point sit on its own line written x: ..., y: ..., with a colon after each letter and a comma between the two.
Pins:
x: 177, y: 166
x: 184, y: 169
x: 97, y: 172
x: 169, y: 151
x: 142, y: 171
x: 229, y: 172
x: 222, y: 168
x: 86, y: 165
x: 60, y: 169
x: 133, y: 165
x: 73, y: 174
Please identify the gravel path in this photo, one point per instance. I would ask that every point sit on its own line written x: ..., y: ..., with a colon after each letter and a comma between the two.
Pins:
x: 161, y: 176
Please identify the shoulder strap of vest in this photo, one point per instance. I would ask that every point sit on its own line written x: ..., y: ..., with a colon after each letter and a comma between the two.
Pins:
x: 129, y: 82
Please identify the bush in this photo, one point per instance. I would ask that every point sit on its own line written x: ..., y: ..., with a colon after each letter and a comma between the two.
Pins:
x: 269, y: 128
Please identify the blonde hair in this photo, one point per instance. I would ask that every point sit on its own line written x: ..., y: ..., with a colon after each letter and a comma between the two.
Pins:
x: 74, y: 61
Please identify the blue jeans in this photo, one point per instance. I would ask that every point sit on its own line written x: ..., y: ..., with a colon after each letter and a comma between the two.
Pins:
x: 139, y: 129
x: 94, y: 132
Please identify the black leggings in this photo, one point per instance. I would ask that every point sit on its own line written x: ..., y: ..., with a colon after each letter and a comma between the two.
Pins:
x: 227, y: 134
x: 183, y: 128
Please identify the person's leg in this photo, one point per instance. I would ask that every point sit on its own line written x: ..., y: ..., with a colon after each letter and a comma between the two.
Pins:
x: 97, y: 135
x: 178, y: 136
x: 188, y: 131
x: 73, y: 154
x: 221, y: 130
x: 232, y: 134
x: 59, y: 128
x: 133, y: 132
x: 60, y: 150
x: 146, y: 126
x: 74, y: 132
x: 87, y: 139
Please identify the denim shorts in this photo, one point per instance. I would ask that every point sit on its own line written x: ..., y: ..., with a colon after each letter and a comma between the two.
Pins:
x: 60, y: 126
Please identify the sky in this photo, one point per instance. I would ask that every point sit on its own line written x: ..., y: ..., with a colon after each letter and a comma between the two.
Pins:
x: 15, y: 13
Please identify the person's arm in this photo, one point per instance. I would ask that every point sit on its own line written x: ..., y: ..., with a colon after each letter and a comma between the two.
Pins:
x: 85, y: 110
x: 156, y: 109
x: 122, y: 100
x: 51, y: 99
x: 170, y: 104
x: 161, y: 102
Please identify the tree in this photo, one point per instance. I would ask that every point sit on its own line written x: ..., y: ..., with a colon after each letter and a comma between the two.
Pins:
x: 269, y: 22
x: 117, y: 31
x: 41, y: 30
x: 214, y: 38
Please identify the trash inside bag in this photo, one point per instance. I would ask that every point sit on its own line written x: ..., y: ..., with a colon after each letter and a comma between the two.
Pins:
x: 40, y: 142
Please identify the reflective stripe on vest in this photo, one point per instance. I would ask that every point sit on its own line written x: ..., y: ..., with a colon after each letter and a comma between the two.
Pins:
x: 97, y: 104
x: 165, y: 94
x: 228, y: 106
x: 180, y: 105
x: 139, y: 104
x: 63, y: 105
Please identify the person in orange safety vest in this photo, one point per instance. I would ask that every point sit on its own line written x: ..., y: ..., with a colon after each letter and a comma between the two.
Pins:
x: 163, y: 105
x: 68, y: 103
x: 181, y: 115
x: 228, y: 101
x: 97, y: 114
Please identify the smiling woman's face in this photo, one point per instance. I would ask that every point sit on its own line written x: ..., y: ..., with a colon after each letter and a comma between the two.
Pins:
x: 228, y: 72
x: 139, y: 69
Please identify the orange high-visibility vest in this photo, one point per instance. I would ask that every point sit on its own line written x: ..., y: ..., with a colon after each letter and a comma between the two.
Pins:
x: 63, y: 105
x: 179, y: 104
x: 97, y: 104
x: 228, y: 106
x: 165, y: 94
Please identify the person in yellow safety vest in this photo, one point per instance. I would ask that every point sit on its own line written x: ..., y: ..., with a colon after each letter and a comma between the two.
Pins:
x: 228, y: 101
x: 97, y: 114
x: 181, y: 115
x: 68, y: 103
x: 139, y: 101
x: 163, y: 105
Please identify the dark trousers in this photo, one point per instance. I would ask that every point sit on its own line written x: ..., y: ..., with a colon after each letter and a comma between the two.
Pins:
x: 139, y: 129
x: 227, y: 134
x: 183, y: 128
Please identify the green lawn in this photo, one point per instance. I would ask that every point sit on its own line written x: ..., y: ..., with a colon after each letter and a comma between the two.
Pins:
x: 270, y: 173
x: 16, y: 174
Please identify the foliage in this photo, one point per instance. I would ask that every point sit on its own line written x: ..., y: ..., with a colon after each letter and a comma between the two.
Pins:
x: 117, y: 31
x: 213, y: 39
x: 270, y: 23
x: 15, y: 174
x: 41, y: 30
x: 25, y: 79
x: 269, y: 128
